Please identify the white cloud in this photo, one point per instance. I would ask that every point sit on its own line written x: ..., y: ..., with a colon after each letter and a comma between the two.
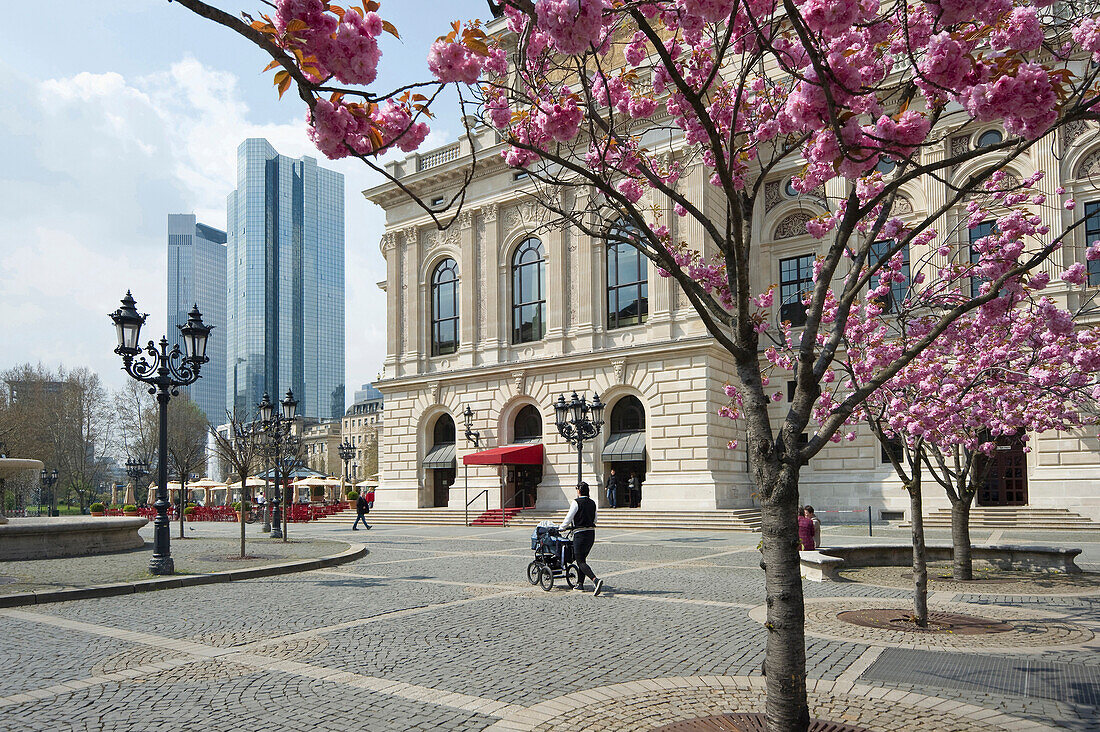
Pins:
x: 100, y: 161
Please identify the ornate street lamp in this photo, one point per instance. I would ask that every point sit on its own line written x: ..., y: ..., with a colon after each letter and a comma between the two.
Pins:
x: 165, y: 370
x: 49, y: 480
x: 136, y: 470
x: 347, y: 452
x: 278, y: 426
x: 472, y: 435
x: 578, y: 421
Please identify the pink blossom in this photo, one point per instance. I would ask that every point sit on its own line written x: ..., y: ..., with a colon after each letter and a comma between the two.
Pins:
x: 572, y: 25
x: 452, y: 61
x: 1020, y: 31
x: 1070, y: 204
x: 1076, y: 274
x: 1092, y: 254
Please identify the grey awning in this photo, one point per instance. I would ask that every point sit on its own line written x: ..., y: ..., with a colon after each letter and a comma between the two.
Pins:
x: 625, y: 447
x: 441, y: 456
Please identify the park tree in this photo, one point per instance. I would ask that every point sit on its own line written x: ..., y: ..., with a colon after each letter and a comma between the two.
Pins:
x: 187, y: 431
x: 240, y: 444
x: 136, y: 417
x: 1017, y: 365
x: 659, y: 124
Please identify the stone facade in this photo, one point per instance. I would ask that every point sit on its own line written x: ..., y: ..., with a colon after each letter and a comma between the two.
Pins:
x: 362, y: 427
x: 668, y: 363
x: 321, y: 442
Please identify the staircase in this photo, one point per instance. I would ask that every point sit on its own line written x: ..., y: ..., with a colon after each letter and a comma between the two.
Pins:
x: 1024, y: 518
x: 497, y: 517
x: 744, y: 519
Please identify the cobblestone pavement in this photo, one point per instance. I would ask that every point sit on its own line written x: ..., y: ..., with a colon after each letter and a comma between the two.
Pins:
x: 438, y: 629
x: 209, y: 547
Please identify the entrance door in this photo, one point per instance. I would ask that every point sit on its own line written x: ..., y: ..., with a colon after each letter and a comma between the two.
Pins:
x: 1007, y: 481
x: 442, y: 480
x: 623, y: 471
x: 524, y: 484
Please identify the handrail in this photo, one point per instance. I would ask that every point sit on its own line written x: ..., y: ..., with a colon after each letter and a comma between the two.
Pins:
x: 485, y: 493
x: 503, y: 506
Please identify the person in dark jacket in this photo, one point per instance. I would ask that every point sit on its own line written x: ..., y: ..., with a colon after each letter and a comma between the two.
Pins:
x: 361, y: 508
x: 582, y: 520
x: 613, y: 490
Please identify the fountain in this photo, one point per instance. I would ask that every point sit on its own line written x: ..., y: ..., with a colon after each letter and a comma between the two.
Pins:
x: 45, y: 538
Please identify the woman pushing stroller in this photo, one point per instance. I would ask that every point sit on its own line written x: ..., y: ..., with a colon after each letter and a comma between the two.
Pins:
x: 582, y: 520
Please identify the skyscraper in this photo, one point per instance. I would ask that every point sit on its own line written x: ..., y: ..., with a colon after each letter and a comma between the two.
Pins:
x: 285, y: 307
x: 196, y: 276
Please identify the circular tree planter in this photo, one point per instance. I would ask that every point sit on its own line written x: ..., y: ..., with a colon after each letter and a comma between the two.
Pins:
x: 938, y: 622
x: 748, y: 722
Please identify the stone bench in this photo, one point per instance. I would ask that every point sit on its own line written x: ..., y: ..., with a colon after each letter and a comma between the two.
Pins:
x: 824, y: 565
x: 48, y: 538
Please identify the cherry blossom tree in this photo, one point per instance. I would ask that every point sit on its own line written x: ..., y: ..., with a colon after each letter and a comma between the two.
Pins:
x: 660, y: 124
x: 1017, y: 364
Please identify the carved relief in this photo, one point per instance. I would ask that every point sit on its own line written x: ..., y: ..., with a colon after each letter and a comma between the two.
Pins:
x: 771, y: 194
x: 400, y: 298
x: 793, y: 225
x: 389, y: 241
x: 902, y: 205
x: 433, y: 392
x: 619, y: 366
x: 1071, y: 132
x: 432, y: 238
x: 465, y: 219
x: 1090, y: 166
x: 525, y: 214
x: 518, y: 378
x: 489, y: 213
x: 960, y: 144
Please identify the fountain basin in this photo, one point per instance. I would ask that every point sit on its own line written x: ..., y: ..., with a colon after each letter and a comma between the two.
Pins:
x: 77, y: 536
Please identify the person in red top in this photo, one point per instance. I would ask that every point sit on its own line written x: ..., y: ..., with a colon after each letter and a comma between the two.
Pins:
x: 807, y: 528
x: 370, y: 499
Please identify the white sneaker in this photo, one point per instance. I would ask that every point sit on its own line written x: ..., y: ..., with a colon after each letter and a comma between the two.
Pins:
x: 599, y: 588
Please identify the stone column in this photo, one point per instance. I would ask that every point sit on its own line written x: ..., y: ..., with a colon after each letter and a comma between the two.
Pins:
x: 468, y: 290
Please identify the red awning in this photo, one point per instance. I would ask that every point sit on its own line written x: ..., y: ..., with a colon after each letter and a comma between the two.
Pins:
x: 507, y: 455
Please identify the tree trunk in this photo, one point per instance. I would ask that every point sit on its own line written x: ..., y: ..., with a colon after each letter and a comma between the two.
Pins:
x: 242, y: 532
x: 962, y: 565
x: 785, y: 660
x: 920, y: 563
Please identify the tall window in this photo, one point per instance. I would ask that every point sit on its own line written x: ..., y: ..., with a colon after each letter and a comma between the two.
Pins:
x: 796, y: 276
x: 528, y: 425
x: 445, y: 308
x: 627, y: 284
x: 628, y: 415
x: 444, y: 431
x: 1092, y: 235
x: 896, y: 296
x: 980, y: 231
x: 528, y: 292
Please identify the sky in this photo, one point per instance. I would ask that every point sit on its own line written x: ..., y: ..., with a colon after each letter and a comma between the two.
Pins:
x: 121, y: 112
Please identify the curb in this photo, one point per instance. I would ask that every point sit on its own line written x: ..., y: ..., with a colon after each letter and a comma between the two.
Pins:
x: 353, y: 552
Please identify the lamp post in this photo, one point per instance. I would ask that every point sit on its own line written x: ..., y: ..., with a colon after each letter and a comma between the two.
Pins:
x: 347, y: 452
x: 136, y: 470
x: 165, y: 370
x: 278, y: 425
x: 49, y: 480
x: 577, y: 421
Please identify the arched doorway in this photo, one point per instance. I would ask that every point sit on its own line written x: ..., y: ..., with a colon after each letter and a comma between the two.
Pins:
x: 624, y: 452
x: 439, y: 464
x: 523, y: 480
x: 1006, y: 482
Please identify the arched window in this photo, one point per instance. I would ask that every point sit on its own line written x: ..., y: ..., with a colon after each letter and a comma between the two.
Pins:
x: 444, y: 432
x: 528, y: 292
x: 627, y: 282
x: 445, y: 308
x: 989, y: 137
x: 628, y: 415
x: 528, y: 425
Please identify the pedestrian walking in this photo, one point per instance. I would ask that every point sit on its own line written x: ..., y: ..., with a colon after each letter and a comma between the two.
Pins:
x: 582, y: 520
x: 361, y: 508
x: 817, y: 525
x: 613, y: 490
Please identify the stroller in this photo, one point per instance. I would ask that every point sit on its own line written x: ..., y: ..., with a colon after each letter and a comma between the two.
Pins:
x: 553, y: 558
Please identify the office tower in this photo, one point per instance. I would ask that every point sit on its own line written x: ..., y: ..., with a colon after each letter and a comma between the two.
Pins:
x: 285, y: 307
x: 196, y: 276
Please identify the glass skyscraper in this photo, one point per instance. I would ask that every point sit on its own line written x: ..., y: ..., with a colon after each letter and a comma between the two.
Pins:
x: 196, y: 276
x: 285, y: 306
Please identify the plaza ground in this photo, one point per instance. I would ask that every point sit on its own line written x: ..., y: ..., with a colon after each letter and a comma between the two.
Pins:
x: 437, y: 628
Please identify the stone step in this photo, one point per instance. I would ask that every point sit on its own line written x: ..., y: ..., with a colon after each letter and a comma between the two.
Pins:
x: 1014, y: 517
x: 626, y: 518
